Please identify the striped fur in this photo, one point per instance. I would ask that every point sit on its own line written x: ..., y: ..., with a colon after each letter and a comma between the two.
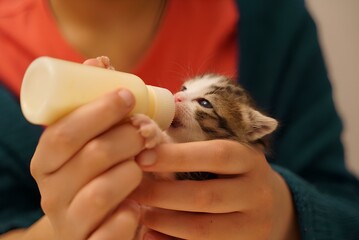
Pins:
x: 215, y: 107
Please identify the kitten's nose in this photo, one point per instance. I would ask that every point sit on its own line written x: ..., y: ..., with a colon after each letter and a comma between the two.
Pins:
x: 178, y: 97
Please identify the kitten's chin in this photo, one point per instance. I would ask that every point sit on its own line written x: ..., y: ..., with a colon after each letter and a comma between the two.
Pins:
x: 178, y: 132
x: 176, y: 123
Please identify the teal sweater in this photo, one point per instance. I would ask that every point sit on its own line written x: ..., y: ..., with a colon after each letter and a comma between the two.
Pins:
x: 282, y: 66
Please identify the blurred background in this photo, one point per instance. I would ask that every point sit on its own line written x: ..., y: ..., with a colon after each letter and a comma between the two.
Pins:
x: 338, y: 27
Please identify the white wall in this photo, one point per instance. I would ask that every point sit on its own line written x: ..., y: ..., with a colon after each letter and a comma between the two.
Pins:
x: 338, y: 23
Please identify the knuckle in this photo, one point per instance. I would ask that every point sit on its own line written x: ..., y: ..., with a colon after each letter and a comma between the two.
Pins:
x: 58, y: 136
x: 206, y: 199
x: 51, y: 199
x: 97, y: 149
x: 34, y: 169
x: 221, y: 151
x: 98, y: 196
x: 48, y: 203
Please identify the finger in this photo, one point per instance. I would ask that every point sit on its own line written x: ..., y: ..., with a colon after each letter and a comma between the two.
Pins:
x: 96, y: 157
x: 195, y: 226
x: 65, y: 137
x: 101, y: 196
x: 122, y: 224
x: 217, y: 156
x: 213, y: 196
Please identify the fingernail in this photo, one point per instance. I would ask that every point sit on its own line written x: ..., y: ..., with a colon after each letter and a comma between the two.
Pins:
x: 146, y: 158
x: 127, y: 97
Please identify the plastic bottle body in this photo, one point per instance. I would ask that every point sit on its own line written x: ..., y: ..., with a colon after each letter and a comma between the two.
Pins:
x: 53, y: 88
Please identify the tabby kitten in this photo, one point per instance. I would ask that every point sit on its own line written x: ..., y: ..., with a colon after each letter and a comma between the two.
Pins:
x: 210, y: 107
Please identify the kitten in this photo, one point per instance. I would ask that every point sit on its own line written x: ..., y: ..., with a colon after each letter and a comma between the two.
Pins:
x: 209, y: 107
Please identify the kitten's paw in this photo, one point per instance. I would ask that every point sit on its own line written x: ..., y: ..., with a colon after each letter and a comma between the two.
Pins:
x: 148, y: 129
x: 105, y: 61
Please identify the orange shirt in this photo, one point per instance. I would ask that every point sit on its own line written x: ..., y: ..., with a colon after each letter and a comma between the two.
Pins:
x: 194, y: 37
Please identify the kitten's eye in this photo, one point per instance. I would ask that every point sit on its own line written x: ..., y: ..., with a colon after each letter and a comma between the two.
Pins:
x: 204, y: 103
x: 183, y: 88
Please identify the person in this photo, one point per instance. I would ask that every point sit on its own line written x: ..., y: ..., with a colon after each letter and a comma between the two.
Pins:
x: 88, y: 169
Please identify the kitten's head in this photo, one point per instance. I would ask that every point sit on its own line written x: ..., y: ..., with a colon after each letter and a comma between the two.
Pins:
x: 214, y: 107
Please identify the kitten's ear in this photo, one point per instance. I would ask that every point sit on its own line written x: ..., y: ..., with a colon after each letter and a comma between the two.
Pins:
x: 260, y: 125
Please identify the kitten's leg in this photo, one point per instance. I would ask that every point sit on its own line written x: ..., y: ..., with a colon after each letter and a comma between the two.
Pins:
x: 153, y: 136
x: 148, y: 129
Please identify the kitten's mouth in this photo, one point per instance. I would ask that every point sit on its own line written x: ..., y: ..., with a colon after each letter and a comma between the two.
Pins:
x: 176, y: 123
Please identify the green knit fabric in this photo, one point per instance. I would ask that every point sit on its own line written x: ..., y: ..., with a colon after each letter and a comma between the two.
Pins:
x: 282, y: 66
x: 19, y: 197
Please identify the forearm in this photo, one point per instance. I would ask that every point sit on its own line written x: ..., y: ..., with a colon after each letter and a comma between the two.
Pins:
x: 41, y: 230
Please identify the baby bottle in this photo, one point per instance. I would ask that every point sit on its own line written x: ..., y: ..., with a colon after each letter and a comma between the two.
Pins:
x: 52, y: 88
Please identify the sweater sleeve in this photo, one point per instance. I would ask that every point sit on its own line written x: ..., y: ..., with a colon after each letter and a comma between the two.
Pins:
x: 323, y: 214
x: 282, y: 66
x: 19, y: 196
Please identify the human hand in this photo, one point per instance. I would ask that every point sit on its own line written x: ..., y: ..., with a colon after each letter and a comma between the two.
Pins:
x: 84, y: 168
x: 249, y: 200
